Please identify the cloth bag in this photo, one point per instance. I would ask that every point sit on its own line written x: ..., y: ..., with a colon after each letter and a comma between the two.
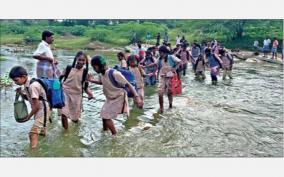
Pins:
x: 175, y: 85
x: 20, y: 108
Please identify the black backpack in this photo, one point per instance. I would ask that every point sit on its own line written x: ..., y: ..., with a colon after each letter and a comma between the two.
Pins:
x: 84, y: 77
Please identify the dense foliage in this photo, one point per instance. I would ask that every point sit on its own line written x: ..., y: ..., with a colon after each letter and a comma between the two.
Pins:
x: 233, y: 33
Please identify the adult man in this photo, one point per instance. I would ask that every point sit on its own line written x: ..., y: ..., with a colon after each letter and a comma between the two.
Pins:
x: 46, y: 65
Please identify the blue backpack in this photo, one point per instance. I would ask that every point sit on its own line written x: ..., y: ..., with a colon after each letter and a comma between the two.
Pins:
x: 53, y: 90
x: 129, y: 76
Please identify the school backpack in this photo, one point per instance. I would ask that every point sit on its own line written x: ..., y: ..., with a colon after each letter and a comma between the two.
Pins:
x: 129, y: 76
x: 84, y: 77
x: 54, y: 94
x: 170, y: 60
x: 53, y: 90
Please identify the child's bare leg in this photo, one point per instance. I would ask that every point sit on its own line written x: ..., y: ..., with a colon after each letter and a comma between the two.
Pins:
x: 161, y: 102
x: 110, y: 126
x: 33, y: 140
x: 225, y: 74
x: 104, y: 125
x: 170, y: 97
x: 203, y: 75
x: 64, y: 121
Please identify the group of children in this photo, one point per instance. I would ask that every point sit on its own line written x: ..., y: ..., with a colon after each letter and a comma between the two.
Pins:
x: 158, y: 64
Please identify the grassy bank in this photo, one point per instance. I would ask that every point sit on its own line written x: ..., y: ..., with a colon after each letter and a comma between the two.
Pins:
x: 77, y: 34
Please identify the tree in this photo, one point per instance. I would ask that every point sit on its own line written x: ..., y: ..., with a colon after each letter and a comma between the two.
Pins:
x: 236, y: 26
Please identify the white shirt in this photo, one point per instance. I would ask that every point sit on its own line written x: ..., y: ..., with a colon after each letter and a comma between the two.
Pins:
x: 178, y: 40
x: 255, y: 43
x: 265, y: 42
x: 43, y: 48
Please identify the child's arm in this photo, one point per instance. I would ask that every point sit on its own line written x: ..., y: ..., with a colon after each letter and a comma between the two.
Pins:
x: 90, y: 78
x: 152, y: 64
x: 142, y: 72
x: 35, y: 109
x: 136, y: 98
x: 218, y: 58
x: 19, y: 90
x: 89, y: 93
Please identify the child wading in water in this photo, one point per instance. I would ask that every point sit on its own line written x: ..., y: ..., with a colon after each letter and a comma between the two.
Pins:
x: 227, y: 64
x: 35, y: 94
x: 74, y: 83
x: 116, y: 98
x: 200, y: 68
x: 122, y: 60
x: 167, y: 65
x: 213, y: 60
x: 151, y: 72
x: 139, y: 74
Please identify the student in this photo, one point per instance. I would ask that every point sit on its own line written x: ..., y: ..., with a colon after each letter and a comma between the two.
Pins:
x: 213, y: 60
x: 274, y: 48
x: 227, y: 64
x: 184, y: 56
x: 195, y: 52
x: 74, y: 84
x: 140, y: 51
x: 151, y: 72
x: 200, y: 67
x: 116, y: 98
x: 167, y: 65
x: 139, y: 74
x: 35, y: 94
x: 122, y: 60
x: 46, y: 65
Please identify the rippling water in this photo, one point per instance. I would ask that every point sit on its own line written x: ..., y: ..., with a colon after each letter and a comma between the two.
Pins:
x: 242, y: 117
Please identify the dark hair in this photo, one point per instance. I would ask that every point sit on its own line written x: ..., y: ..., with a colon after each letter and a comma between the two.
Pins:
x: 77, y: 56
x: 164, y: 49
x: 45, y: 34
x: 207, y: 51
x: 222, y: 52
x: 151, y: 58
x: 18, y: 71
x: 132, y: 58
x: 100, y: 62
x: 120, y: 54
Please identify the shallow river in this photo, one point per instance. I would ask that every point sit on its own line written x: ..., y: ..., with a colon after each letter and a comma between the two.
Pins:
x: 238, y: 118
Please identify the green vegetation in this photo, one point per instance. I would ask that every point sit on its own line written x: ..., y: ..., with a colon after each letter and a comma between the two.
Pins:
x: 78, y: 34
x: 2, y: 58
x: 5, y: 81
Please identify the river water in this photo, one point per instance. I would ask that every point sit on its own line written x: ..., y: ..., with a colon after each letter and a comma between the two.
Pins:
x: 242, y: 117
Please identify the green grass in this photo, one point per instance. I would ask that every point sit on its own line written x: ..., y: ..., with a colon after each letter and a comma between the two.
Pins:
x: 72, y: 43
x: 12, y: 39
